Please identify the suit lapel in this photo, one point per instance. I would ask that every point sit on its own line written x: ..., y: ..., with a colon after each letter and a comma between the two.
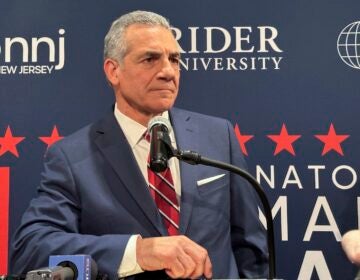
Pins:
x: 186, y: 139
x: 112, y: 143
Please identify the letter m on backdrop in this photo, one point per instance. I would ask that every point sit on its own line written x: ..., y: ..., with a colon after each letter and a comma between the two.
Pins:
x: 4, y: 218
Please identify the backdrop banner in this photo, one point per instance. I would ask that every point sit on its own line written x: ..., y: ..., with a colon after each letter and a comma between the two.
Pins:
x: 283, y: 72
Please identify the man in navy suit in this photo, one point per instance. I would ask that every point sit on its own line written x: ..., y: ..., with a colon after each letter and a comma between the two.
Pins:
x: 94, y: 197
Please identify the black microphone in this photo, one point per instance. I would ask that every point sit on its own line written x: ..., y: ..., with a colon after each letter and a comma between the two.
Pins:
x: 66, y: 267
x: 51, y: 273
x: 159, y: 129
x: 83, y: 266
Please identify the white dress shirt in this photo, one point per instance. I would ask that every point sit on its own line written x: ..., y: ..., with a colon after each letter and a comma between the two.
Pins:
x: 134, y: 133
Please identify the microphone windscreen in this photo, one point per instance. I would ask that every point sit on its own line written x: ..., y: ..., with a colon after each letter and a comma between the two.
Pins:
x: 84, y: 266
x: 159, y: 120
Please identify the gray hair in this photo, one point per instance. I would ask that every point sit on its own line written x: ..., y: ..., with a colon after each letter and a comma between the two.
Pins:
x: 115, y: 45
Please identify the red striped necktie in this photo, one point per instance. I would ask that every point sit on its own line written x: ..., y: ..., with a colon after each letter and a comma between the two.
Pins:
x: 162, y: 190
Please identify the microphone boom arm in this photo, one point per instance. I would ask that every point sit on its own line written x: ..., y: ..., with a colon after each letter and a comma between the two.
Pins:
x: 195, y: 158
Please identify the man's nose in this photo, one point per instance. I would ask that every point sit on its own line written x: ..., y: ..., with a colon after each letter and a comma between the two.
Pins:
x: 168, y: 69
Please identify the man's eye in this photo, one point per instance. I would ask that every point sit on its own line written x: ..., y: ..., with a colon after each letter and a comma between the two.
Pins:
x: 175, y: 60
x: 149, y: 59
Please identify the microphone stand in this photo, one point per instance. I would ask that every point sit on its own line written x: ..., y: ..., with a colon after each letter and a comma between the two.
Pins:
x: 195, y: 158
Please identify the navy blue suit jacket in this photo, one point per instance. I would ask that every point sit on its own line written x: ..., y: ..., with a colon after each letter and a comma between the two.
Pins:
x: 93, y: 197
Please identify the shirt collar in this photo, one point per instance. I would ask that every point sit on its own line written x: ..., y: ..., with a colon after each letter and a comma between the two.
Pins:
x: 133, y: 131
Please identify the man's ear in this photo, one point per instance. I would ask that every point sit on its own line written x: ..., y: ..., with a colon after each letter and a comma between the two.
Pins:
x: 111, y: 71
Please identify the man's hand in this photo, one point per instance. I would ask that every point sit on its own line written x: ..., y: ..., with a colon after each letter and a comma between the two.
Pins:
x: 179, y: 256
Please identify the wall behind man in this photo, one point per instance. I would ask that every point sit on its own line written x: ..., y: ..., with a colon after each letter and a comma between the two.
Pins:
x: 273, y: 68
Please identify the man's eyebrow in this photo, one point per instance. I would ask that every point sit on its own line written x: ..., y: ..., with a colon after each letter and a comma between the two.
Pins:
x: 175, y: 54
x: 152, y: 53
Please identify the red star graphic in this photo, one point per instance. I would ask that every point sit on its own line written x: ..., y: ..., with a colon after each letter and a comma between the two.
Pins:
x: 284, y: 141
x: 8, y: 143
x: 242, y: 139
x: 54, y: 137
x: 332, y: 141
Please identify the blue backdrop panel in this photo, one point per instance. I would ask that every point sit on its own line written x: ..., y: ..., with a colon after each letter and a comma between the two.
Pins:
x: 284, y: 73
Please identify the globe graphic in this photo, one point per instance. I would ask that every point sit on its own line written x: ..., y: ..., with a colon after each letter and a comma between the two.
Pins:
x: 348, y: 45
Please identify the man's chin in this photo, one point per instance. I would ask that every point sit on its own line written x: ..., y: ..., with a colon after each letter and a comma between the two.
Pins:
x: 161, y: 109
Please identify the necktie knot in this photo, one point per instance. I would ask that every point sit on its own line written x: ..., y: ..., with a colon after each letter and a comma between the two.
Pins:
x: 147, y: 136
